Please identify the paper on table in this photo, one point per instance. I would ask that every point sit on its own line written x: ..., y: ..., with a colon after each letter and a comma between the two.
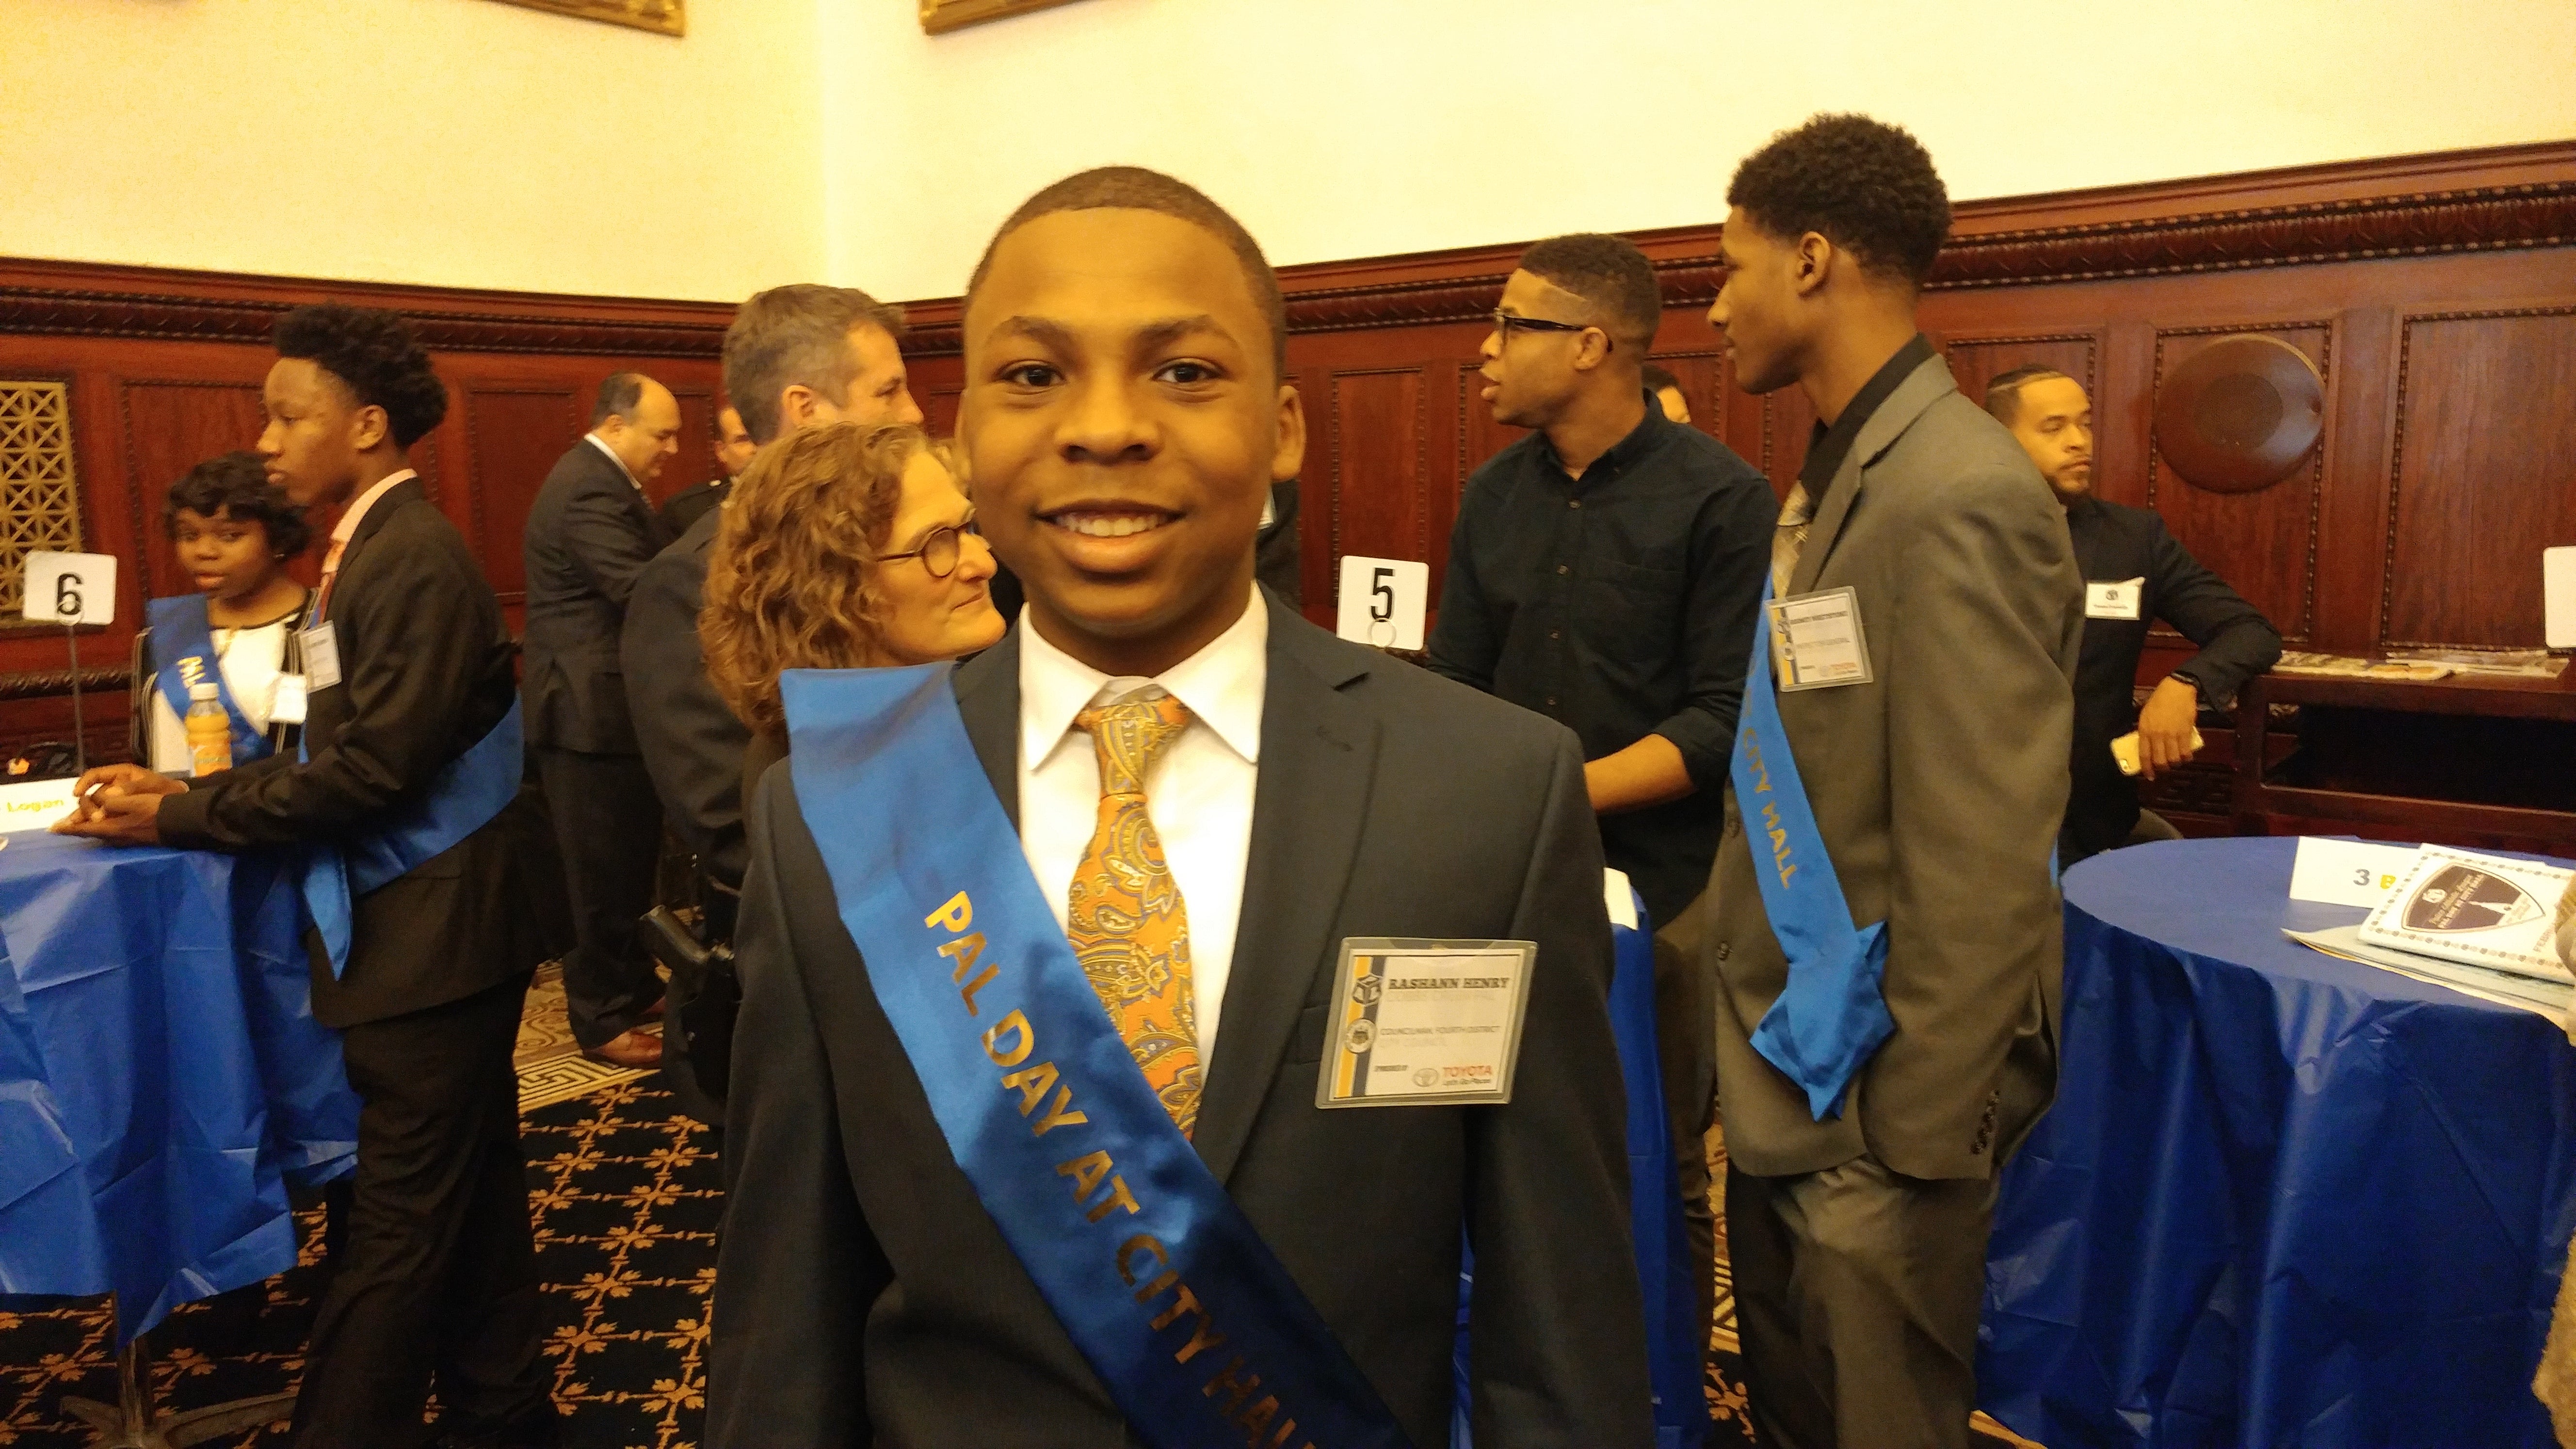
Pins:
x: 2347, y: 872
x: 2486, y: 910
x: 2500, y: 988
x: 35, y: 804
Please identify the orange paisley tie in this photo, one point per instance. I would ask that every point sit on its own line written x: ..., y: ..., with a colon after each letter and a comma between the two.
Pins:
x: 1124, y: 913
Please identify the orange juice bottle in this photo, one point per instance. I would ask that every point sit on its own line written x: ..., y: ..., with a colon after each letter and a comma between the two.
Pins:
x: 210, y: 730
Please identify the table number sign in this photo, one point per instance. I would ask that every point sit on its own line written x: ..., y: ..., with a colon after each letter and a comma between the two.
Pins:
x: 1383, y: 601
x: 71, y: 588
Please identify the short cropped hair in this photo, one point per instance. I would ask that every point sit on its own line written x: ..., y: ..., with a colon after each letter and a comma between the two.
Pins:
x: 1608, y: 272
x: 1863, y: 185
x: 619, y: 396
x: 1660, y: 379
x: 797, y: 336
x: 236, y: 486
x: 1133, y: 188
x: 792, y: 579
x: 375, y: 355
x: 2003, y: 395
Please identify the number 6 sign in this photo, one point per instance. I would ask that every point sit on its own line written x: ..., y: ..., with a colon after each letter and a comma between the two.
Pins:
x: 71, y: 588
x: 1383, y: 601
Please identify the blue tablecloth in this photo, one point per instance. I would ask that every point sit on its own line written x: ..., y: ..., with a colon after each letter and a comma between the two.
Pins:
x: 2282, y: 1199
x: 161, y: 1074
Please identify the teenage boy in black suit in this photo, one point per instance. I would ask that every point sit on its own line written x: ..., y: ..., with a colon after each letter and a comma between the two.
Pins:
x: 1126, y: 411
x: 438, y: 1278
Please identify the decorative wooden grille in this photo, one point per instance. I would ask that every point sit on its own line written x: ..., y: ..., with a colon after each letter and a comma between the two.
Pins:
x: 39, y: 492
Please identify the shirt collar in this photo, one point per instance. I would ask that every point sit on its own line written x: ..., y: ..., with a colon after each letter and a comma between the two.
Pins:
x: 594, y: 441
x: 1827, y: 447
x: 1223, y: 685
x: 1641, y: 440
x: 347, y: 527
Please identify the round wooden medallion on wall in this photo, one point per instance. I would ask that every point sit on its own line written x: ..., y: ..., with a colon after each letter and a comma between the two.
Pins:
x: 2240, y: 414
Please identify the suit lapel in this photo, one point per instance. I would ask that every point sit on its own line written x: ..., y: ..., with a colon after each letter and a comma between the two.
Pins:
x: 1923, y: 387
x: 1318, y: 753
x: 374, y: 522
x: 988, y: 699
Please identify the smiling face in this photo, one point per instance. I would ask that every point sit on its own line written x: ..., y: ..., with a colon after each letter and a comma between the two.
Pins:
x: 315, y: 432
x: 1759, y: 309
x: 929, y: 618
x: 1123, y: 422
x: 2053, y: 420
x: 227, y: 558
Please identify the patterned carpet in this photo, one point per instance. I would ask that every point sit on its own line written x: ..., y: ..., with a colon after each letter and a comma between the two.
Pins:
x: 625, y: 1195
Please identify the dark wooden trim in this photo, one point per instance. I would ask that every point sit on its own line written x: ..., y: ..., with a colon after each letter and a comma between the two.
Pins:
x: 49, y: 683
x: 83, y: 300
x: 2498, y: 199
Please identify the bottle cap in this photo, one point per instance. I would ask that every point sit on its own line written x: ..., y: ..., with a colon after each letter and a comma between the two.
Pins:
x: 199, y: 693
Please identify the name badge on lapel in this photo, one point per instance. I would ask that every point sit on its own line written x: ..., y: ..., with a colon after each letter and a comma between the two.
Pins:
x: 2120, y: 600
x: 287, y: 705
x: 1420, y: 1023
x: 321, y: 645
x: 1816, y: 640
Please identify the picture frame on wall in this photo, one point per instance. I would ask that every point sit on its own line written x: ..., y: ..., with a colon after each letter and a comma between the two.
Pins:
x: 938, y: 17
x: 662, y: 17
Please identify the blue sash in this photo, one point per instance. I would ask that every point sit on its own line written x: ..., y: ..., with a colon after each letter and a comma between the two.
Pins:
x: 1197, y: 1332
x: 183, y: 652
x: 1832, y: 1015
x: 462, y: 798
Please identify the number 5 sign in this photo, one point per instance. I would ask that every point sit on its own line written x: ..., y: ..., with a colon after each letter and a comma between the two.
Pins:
x: 1382, y: 601
x: 71, y: 588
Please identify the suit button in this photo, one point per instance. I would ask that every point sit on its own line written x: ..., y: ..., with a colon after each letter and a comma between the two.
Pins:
x: 1725, y: 949
x: 1556, y: 633
x: 1574, y: 503
x: 1560, y: 568
x: 1551, y: 701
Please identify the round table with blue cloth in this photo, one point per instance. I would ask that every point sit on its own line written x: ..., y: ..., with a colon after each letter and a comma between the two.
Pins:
x: 162, y: 1078
x: 2282, y: 1199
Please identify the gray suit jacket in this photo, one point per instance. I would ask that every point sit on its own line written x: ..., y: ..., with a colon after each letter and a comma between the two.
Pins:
x: 863, y: 1295
x: 1938, y: 787
x: 590, y: 532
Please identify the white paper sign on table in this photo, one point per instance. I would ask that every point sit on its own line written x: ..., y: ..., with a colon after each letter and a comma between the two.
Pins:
x: 34, y: 804
x: 71, y: 588
x: 2347, y: 872
x: 2558, y: 595
x: 1383, y: 601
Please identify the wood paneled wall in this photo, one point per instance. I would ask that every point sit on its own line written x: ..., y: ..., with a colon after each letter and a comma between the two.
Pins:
x: 2436, y: 294
x: 165, y: 371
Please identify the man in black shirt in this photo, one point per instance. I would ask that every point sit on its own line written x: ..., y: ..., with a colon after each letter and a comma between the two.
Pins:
x: 2134, y: 572
x: 1604, y: 572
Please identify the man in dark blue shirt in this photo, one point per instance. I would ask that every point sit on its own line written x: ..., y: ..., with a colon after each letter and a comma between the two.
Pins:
x: 1605, y: 571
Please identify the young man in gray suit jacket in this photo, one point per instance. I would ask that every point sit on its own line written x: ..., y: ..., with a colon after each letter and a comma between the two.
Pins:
x: 1126, y: 409
x: 1857, y: 1211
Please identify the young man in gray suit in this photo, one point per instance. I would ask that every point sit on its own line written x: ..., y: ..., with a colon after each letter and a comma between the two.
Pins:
x: 1860, y: 1191
x: 1126, y: 410
x: 590, y: 531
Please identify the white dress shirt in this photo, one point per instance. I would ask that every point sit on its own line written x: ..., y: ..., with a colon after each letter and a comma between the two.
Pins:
x: 594, y: 440
x: 1199, y: 792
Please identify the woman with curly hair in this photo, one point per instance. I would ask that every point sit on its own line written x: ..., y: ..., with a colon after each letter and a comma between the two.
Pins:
x: 231, y: 531
x: 842, y: 547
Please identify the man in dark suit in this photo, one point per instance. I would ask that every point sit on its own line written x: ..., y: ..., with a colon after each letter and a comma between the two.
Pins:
x: 1858, y: 1200
x: 734, y: 448
x: 590, y: 531
x: 1314, y: 792
x: 794, y: 356
x: 437, y: 1278
x: 2135, y: 572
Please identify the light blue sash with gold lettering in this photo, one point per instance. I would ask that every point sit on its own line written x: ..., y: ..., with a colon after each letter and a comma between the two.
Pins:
x: 183, y: 653
x: 463, y: 797
x: 1832, y: 1014
x: 1194, y: 1327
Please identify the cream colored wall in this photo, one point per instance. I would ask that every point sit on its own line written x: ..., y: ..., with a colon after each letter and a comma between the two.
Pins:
x: 469, y: 143
x: 457, y: 142
x: 1343, y: 128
